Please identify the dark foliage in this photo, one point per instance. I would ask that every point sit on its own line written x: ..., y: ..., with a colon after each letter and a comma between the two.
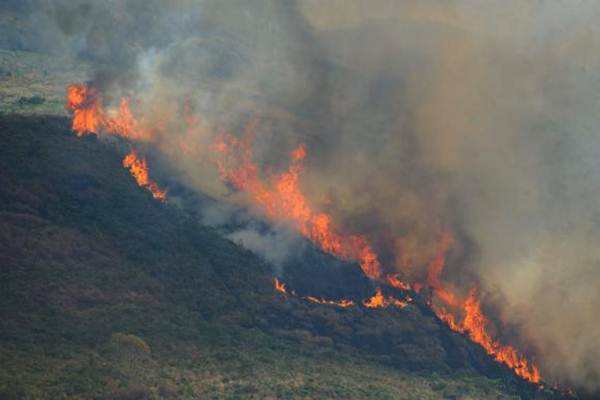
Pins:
x: 91, y: 265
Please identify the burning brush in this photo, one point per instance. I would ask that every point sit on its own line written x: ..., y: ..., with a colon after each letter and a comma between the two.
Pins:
x: 281, y: 199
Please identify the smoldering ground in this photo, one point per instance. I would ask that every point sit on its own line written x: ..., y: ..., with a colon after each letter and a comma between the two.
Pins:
x: 418, y: 116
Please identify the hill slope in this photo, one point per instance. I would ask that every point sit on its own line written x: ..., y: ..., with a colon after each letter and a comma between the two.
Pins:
x: 107, y: 293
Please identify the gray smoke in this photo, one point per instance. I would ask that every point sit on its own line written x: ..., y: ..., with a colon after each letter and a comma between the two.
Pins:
x: 418, y: 116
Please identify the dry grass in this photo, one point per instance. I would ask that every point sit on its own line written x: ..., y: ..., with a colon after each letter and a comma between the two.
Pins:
x: 34, y: 83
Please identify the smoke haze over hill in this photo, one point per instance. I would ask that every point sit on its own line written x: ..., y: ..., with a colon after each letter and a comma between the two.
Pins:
x: 418, y: 117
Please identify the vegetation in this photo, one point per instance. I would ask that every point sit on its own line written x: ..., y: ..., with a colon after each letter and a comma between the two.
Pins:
x: 35, y: 83
x: 106, y: 293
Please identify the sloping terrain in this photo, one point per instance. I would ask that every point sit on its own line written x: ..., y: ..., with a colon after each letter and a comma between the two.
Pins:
x: 107, y: 293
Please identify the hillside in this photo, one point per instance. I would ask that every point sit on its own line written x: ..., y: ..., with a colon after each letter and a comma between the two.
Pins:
x: 107, y: 293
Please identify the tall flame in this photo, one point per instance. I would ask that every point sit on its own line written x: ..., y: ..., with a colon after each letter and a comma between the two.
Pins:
x: 474, y: 323
x: 279, y: 286
x: 86, y: 106
x: 139, y: 170
x: 281, y: 199
x: 476, y: 326
x: 89, y: 115
x: 378, y: 300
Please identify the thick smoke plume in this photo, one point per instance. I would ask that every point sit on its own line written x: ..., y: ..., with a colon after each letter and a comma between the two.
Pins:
x: 419, y: 117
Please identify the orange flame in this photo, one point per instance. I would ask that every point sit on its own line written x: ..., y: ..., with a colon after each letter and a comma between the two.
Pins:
x: 89, y: 115
x: 340, y: 303
x: 474, y: 323
x: 378, y: 300
x: 282, y: 200
x: 279, y: 286
x: 447, y: 317
x: 139, y: 170
x: 394, y: 281
x: 86, y: 106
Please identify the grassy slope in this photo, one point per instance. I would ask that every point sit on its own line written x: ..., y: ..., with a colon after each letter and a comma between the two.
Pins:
x: 85, y: 254
x: 35, y: 83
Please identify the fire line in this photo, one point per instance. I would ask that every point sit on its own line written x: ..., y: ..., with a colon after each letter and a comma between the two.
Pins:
x: 280, y: 198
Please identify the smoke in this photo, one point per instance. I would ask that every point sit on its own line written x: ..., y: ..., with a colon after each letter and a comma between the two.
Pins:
x: 418, y: 117
x: 277, y: 244
x: 486, y: 123
x: 275, y: 247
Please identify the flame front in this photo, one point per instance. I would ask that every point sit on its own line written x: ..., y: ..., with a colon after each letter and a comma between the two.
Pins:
x: 281, y: 199
x: 90, y: 117
x: 85, y: 104
x: 340, y: 303
x: 474, y: 323
x: 378, y: 300
x: 139, y: 170
x: 395, y: 281
x: 281, y: 288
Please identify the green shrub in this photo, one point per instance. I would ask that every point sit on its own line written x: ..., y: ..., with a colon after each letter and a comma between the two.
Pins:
x: 130, y: 350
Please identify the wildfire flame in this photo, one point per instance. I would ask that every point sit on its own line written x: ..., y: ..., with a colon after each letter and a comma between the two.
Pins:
x: 139, y: 170
x: 85, y: 104
x: 394, y: 281
x: 476, y: 326
x: 378, y: 300
x: 474, y: 323
x: 279, y: 286
x: 340, y: 303
x: 281, y: 199
x: 89, y: 116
